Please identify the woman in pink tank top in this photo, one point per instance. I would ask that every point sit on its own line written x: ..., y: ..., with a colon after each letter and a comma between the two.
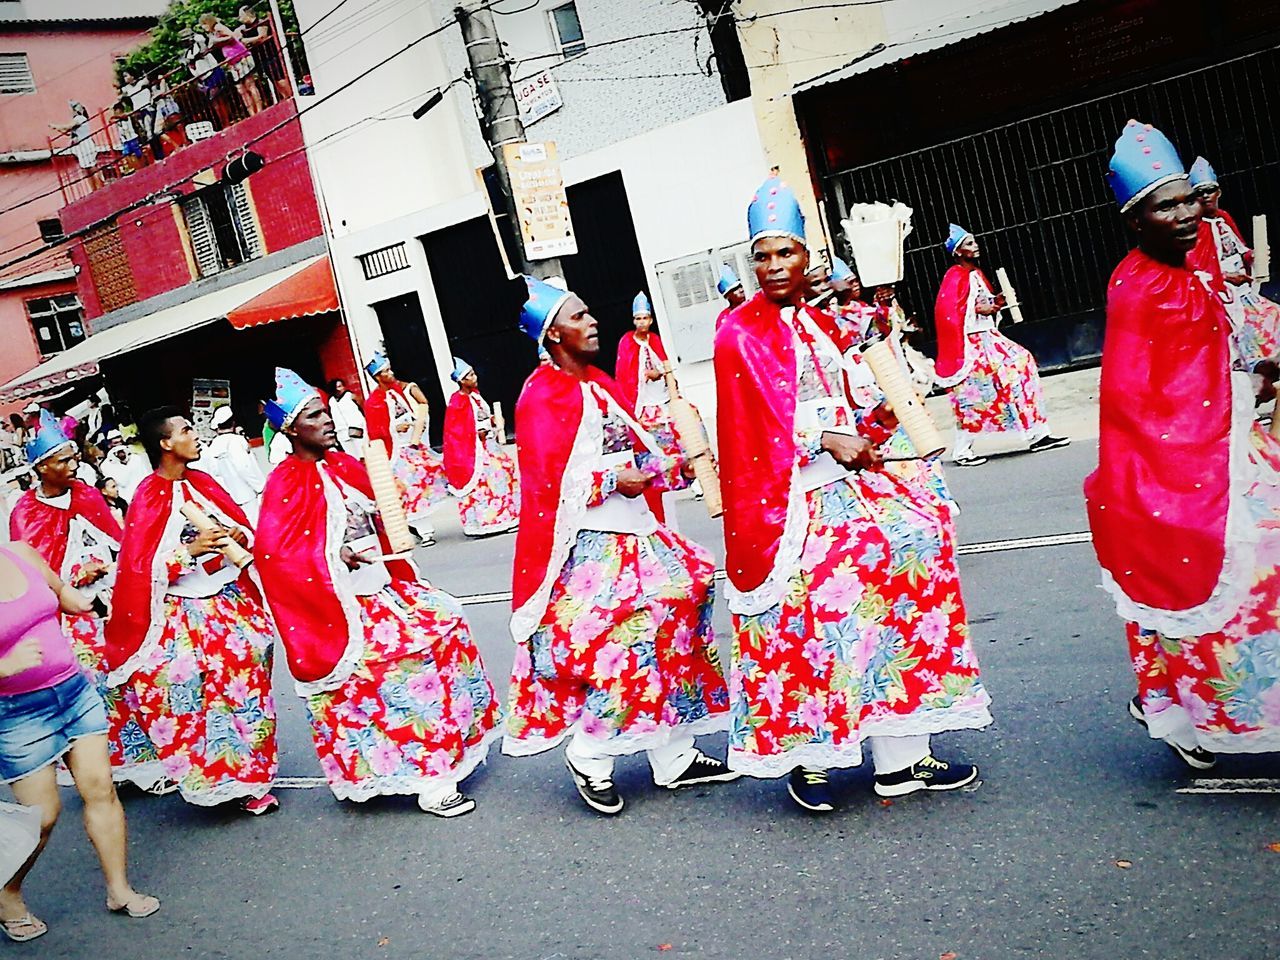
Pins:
x: 49, y: 710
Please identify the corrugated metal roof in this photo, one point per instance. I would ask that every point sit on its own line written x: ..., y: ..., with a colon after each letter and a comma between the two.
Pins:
x: 940, y: 35
x: 63, y: 11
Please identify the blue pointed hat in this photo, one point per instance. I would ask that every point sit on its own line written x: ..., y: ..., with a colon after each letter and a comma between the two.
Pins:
x: 840, y: 270
x: 728, y: 279
x: 1143, y: 160
x: 774, y: 211
x: 460, y: 369
x: 956, y: 235
x: 48, y: 439
x: 377, y: 364
x: 641, y: 305
x: 292, y: 394
x: 1202, y: 173
x: 540, y: 309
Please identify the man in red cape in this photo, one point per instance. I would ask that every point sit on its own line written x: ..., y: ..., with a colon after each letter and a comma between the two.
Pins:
x: 847, y: 615
x: 1185, y: 503
x: 612, y: 610
x: 994, y: 383
x: 188, y: 631
x: 70, y: 525
x: 481, y: 474
x: 395, y: 688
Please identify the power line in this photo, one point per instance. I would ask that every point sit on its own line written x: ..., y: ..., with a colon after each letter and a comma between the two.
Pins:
x: 332, y: 10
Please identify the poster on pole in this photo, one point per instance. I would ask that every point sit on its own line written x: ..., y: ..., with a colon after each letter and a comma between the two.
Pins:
x: 538, y: 191
x: 537, y: 97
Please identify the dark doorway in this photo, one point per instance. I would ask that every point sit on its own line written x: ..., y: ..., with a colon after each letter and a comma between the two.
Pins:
x: 404, y: 337
x: 481, y: 308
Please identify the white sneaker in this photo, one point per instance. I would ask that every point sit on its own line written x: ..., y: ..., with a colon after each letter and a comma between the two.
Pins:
x: 450, y: 805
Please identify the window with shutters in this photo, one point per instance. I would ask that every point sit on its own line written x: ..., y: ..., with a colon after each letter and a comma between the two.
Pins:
x: 58, y: 322
x: 15, y: 74
x: 223, y: 230
x: 109, y: 267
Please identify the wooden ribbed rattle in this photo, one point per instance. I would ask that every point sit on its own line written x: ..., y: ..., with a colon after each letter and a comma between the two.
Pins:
x: 234, y: 553
x: 387, y: 496
x: 906, y: 403
x: 692, y: 437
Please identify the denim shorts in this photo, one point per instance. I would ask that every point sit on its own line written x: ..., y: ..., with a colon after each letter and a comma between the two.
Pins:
x: 37, y: 728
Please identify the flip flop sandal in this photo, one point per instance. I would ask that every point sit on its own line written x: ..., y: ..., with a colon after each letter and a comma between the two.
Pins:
x: 33, y: 926
x: 139, y: 908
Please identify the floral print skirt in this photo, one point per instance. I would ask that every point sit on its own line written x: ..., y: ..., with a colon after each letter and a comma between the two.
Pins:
x: 1002, y: 393
x: 419, y: 472
x: 493, y: 504
x: 871, y: 638
x: 133, y: 755
x: 1222, y: 690
x: 205, y: 699
x: 625, y: 651
x: 1259, y: 337
x: 417, y: 711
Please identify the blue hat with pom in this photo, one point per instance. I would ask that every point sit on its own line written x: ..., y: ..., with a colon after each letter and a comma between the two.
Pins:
x: 728, y: 279
x: 292, y: 394
x: 1144, y: 159
x: 377, y: 364
x: 774, y: 211
x: 540, y: 309
x: 1202, y: 173
x: 460, y: 369
x: 48, y: 439
x: 956, y: 235
x: 641, y: 305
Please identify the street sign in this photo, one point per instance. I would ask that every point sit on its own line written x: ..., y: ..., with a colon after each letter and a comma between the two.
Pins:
x: 537, y: 96
x: 538, y: 191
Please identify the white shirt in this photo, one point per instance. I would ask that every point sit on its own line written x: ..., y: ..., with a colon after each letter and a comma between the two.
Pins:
x: 649, y: 393
x: 346, y: 417
x: 228, y: 459
x: 280, y: 448
x: 127, y: 474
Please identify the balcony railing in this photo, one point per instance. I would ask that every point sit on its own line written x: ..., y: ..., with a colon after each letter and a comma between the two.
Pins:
x: 184, y: 109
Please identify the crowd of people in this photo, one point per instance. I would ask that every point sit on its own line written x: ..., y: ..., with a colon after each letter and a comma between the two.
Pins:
x: 228, y: 72
x: 849, y: 628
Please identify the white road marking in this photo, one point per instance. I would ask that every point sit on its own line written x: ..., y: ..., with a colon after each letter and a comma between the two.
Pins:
x: 964, y: 550
x: 299, y: 783
x: 1232, y: 786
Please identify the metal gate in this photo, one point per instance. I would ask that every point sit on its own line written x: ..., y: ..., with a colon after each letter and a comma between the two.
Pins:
x: 1034, y: 193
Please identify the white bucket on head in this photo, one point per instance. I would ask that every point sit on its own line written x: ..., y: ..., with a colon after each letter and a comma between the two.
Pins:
x: 877, y: 250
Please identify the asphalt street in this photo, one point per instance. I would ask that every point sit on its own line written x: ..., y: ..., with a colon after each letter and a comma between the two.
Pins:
x: 1077, y: 844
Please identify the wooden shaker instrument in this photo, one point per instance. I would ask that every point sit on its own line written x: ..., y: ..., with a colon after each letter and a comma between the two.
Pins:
x: 692, y: 438
x: 387, y: 496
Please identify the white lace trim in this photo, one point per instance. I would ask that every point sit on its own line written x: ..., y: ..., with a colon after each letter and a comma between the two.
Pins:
x: 971, y: 714
x: 335, y: 530
x: 1241, y: 536
x: 225, y: 793
x: 142, y: 775
x: 624, y: 744
x: 492, y: 528
x: 372, y: 787
x: 1174, y: 720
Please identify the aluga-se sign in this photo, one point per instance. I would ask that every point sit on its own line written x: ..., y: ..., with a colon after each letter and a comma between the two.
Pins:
x: 537, y: 96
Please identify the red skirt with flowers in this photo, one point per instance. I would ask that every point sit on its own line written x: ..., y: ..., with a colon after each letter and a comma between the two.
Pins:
x: 204, y: 697
x: 625, y: 650
x: 419, y: 472
x: 418, y: 710
x: 1002, y: 393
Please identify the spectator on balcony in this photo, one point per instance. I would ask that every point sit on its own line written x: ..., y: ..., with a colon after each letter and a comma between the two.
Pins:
x: 259, y: 37
x: 137, y: 88
x: 127, y: 134
x: 170, y: 132
x: 236, y: 58
x: 83, y: 147
x: 210, y: 79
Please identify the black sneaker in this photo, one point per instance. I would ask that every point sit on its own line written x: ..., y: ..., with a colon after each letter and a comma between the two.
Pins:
x: 1197, y: 758
x: 928, y: 774
x: 597, y: 793
x: 811, y: 790
x: 969, y: 461
x: 1049, y: 443
x: 703, y: 769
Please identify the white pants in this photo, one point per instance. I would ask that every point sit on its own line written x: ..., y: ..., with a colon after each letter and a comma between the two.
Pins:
x: 667, y: 761
x: 437, y: 790
x: 892, y: 754
x: 963, y: 447
x: 424, y: 528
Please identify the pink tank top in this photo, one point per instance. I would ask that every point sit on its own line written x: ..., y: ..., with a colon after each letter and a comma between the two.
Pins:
x: 34, y: 614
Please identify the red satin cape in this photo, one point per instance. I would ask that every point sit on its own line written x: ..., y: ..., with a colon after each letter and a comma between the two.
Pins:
x: 46, y: 528
x: 628, y: 367
x: 459, y: 440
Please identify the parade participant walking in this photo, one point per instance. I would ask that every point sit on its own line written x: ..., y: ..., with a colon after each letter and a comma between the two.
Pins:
x: 395, y: 688
x: 1185, y: 503
x: 847, y: 615
x: 397, y: 414
x: 729, y: 287
x: 994, y: 383
x: 348, y: 418
x: 188, y: 631
x: 612, y: 611
x: 481, y: 474
x: 1257, y: 327
x: 49, y: 711
x: 71, y: 526
x: 228, y: 459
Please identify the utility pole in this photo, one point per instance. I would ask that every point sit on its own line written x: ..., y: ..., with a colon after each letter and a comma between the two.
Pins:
x: 500, y: 117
